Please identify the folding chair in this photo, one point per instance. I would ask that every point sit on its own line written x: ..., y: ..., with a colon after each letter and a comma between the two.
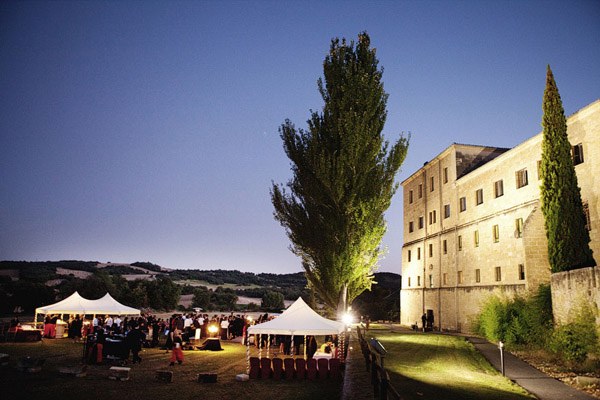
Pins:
x: 277, y: 368
x: 300, y: 368
x: 288, y: 363
x: 323, y: 367
x: 311, y: 369
x: 265, y: 368
x: 254, y: 367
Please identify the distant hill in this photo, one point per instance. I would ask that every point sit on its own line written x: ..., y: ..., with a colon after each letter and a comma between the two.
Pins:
x: 48, y: 277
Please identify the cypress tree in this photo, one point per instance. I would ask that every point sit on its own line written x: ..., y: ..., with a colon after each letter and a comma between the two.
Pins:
x: 568, y: 238
x: 343, y: 177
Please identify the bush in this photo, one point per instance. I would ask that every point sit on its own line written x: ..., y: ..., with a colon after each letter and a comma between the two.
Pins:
x: 575, y: 340
x: 520, y: 321
x: 572, y: 342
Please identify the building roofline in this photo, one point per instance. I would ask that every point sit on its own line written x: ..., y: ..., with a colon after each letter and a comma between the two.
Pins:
x: 506, y: 149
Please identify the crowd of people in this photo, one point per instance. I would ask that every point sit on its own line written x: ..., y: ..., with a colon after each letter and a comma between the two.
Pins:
x: 170, y: 334
x: 146, y: 330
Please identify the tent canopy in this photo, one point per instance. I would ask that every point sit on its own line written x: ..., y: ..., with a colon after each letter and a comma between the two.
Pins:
x: 298, y: 319
x: 75, y: 304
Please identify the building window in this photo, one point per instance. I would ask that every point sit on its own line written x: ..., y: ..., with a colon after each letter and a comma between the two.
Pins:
x: 498, y: 188
x: 478, y: 275
x: 586, y: 213
x: 445, y: 278
x: 496, y: 233
x: 447, y: 211
x: 577, y: 151
x: 519, y: 227
x: 410, y: 197
x: 409, y: 256
x: 498, y: 274
x: 459, y: 277
x: 479, y: 196
x: 430, y: 280
x: 476, y: 237
x: 463, y: 204
x: 459, y: 242
x: 432, y: 217
x: 409, y: 281
x: 521, y: 178
x: 430, y: 250
x: 432, y: 185
x: 446, y: 175
x: 445, y: 246
x: 418, y: 281
x: 418, y: 253
x: 420, y: 222
x: 420, y: 190
x: 411, y: 227
x: 521, y: 272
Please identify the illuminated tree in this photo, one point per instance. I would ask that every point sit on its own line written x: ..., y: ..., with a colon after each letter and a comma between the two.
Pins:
x: 568, y: 238
x: 343, y: 176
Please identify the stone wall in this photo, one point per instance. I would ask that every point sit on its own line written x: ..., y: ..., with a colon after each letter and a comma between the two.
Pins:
x: 572, y: 289
x: 455, y: 309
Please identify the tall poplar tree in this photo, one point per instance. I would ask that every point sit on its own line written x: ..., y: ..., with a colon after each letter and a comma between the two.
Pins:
x: 343, y: 176
x: 568, y: 238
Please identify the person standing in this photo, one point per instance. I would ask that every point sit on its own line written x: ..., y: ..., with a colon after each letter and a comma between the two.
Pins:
x: 134, y: 339
x: 177, y: 353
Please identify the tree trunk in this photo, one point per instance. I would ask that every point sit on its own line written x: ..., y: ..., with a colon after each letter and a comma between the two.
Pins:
x: 342, y: 303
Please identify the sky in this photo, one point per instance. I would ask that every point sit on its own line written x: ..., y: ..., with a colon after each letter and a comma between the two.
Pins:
x: 148, y: 131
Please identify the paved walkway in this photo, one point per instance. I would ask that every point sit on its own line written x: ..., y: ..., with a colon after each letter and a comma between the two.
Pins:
x: 531, y: 379
x: 357, y: 381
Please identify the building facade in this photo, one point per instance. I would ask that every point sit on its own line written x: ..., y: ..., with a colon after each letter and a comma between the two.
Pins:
x: 473, y: 224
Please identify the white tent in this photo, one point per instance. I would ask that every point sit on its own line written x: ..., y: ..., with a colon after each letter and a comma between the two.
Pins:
x: 75, y: 304
x: 109, y: 303
x: 298, y: 319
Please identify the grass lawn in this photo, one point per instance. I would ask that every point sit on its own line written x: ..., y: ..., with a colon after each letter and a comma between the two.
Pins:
x: 50, y: 384
x: 434, y: 366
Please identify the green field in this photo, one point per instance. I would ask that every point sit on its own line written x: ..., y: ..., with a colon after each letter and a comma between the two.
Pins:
x: 433, y: 366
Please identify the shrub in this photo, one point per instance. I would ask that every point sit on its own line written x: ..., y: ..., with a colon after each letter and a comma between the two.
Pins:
x: 575, y: 340
x: 520, y: 321
x: 572, y: 342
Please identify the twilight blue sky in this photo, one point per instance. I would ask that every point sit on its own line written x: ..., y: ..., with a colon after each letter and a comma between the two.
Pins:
x: 148, y: 131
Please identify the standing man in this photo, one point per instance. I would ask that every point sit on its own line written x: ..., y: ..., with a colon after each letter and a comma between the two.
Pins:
x: 134, y: 339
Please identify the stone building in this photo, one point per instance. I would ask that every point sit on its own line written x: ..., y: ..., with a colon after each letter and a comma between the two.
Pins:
x: 473, y: 224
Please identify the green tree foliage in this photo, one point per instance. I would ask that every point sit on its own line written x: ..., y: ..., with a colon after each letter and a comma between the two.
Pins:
x: 272, y: 301
x: 23, y: 294
x: 343, y: 176
x: 201, y: 298
x: 575, y: 340
x: 223, y: 299
x: 518, y: 321
x: 382, y: 302
x: 568, y: 238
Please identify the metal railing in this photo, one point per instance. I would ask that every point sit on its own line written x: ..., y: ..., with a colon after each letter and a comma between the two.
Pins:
x: 374, y: 354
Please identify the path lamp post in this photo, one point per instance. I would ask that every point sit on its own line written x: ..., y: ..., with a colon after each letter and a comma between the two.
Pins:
x: 501, y: 347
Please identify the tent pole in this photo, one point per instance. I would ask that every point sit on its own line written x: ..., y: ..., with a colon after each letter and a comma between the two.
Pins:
x: 259, y: 346
x: 305, y: 347
x: 247, y: 356
x: 268, y: 344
